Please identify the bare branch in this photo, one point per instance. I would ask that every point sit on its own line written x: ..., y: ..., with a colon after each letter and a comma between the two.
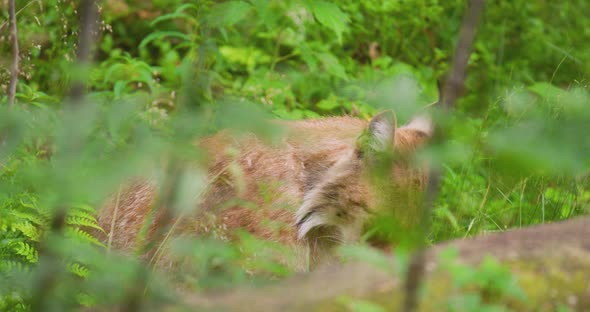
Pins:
x: 160, y: 221
x: 87, y: 34
x: 14, y: 71
x: 49, y: 261
x: 456, y: 79
x: 415, y: 273
x: 452, y: 89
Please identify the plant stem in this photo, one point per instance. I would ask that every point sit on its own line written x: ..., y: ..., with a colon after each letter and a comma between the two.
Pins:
x: 15, y: 52
x: 450, y: 92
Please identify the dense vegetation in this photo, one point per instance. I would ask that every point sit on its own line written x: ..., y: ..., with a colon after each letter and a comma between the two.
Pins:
x: 168, y: 71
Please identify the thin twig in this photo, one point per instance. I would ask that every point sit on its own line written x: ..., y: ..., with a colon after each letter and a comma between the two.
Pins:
x: 275, y: 55
x: 49, y: 261
x: 163, y: 215
x: 18, y: 12
x: 416, y: 267
x: 158, y: 253
x: 451, y: 91
x: 116, y: 210
x: 456, y: 79
x: 87, y: 29
x: 15, y: 58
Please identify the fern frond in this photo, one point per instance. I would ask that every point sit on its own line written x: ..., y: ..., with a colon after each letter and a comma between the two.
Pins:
x: 78, y: 269
x: 83, y: 236
x: 75, y: 212
x: 27, y: 251
x: 82, y: 221
x: 84, y: 207
x: 9, y: 266
x: 32, y: 216
x: 29, y: 201
x: 28, y: 230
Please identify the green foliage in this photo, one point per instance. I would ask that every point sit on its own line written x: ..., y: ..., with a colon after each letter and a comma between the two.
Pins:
x: 487, y: 287
x: 24, y: 220
x: 518, y: 181
x: 330, y: 15
x: 169, y: 71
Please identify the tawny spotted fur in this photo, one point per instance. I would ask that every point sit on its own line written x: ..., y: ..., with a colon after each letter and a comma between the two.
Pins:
x: 312, y: 191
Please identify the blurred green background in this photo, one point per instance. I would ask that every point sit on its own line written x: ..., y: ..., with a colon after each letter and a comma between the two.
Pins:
x: 166, y: 71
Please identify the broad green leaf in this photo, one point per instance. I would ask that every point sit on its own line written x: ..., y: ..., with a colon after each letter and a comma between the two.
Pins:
x: 228, y: 13
x: 332, y: 65
x: 328, y: 104
x: 309, y: 57
x: 266, y: 14
x: 248, y: 56
x: 330, y: 15
x: 547, y: 91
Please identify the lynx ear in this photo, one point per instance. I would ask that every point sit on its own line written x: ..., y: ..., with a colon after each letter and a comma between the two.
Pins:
x: 381, y: 131
x: 421, y: 123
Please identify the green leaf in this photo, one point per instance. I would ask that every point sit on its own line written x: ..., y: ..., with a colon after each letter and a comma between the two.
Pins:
x: 328, y: 104
x: 228, y: 13
x: 332, y: 65
x: 161, y: 35
x: 178, y: 14
x: 329, y: 15
x: 172, y: 16
x: 248, y: 56
x: 547, y: 91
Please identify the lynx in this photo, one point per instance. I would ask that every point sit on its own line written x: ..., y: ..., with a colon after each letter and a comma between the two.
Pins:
x: 313, y: 191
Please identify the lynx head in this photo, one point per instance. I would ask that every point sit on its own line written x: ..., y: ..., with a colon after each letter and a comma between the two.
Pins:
x: 379, y: 173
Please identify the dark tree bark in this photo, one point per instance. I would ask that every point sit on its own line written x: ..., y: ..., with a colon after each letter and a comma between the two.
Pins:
x: 86, y: 38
